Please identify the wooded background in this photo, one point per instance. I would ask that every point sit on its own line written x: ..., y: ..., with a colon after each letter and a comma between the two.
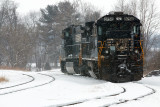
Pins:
x: 36, y: 37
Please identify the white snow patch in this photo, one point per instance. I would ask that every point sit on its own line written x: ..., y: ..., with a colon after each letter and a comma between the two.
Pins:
x: 64, y: 90
x: 68, y: 89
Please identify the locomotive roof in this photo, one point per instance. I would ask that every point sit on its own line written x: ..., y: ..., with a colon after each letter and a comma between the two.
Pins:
x: 118, y: 18
x: 71, y: 26
x: 89, y: 23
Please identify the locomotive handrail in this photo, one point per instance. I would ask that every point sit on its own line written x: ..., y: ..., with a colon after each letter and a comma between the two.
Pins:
x: 72, y: 45
x: 142, y: 56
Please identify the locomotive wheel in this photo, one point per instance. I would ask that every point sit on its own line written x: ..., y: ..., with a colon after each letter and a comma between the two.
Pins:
x: 124, y: 79
x: 63, y: 66
x: 138, y: 75
x: 76, y: 68
x: 85, y: 72
x: 106, y: 73
x: 92, y: 70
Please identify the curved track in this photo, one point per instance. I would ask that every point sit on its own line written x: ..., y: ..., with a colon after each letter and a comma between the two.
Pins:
x: 79, y: 102
x: 30, y: 87
x: 137, y: 98
x: 32, y: 79
x: 114, y: 99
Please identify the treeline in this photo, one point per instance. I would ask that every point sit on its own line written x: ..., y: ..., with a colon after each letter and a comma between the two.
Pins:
x: 16, y: 40
x: 36, y: 38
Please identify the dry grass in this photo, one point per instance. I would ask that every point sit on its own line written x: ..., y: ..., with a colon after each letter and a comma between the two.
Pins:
x: 3, y: 79
x: 12, y: 68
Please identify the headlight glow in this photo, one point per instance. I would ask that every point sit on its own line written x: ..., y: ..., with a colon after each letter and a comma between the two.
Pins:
x: 136, y: 51
x: 107, y: 52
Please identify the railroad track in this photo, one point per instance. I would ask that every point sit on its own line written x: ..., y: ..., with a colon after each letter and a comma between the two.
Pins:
x: 79, y: 102
x: 114, y: 96
x: 32, y: 79
x: 137, y: 98
x: 26, y: 83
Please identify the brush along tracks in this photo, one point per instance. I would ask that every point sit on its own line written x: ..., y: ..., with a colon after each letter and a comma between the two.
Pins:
x: 36, y: 80
x: 132, y: 92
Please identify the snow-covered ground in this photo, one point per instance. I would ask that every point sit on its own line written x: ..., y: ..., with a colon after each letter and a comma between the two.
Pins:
x: 53, y: 88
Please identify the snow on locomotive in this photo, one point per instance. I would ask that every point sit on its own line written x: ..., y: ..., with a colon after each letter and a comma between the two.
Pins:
x: 109, y: 48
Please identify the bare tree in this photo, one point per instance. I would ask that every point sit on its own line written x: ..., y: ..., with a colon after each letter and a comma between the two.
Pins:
x: 121, y: 6
x: 15, y: 41
x: 31, y: 21
x: 87, y: 11
x: 8, y: 26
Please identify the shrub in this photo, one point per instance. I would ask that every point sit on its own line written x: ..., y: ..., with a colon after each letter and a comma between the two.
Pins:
x: 3, y: 79
x: 12, y: 68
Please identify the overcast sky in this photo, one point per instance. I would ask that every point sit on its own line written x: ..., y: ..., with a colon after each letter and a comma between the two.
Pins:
x: 25, y: 6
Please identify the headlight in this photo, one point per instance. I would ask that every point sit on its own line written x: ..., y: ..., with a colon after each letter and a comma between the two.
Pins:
x: 136, y: 51
x: 106, y: 51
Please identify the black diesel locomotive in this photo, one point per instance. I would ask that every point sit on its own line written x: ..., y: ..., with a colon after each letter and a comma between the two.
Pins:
x: 109, y: 48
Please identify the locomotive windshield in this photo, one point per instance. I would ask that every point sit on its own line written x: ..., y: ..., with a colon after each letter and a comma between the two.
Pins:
x: 117, y: 26
x: 117, y: 29
x: 66, y: 34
